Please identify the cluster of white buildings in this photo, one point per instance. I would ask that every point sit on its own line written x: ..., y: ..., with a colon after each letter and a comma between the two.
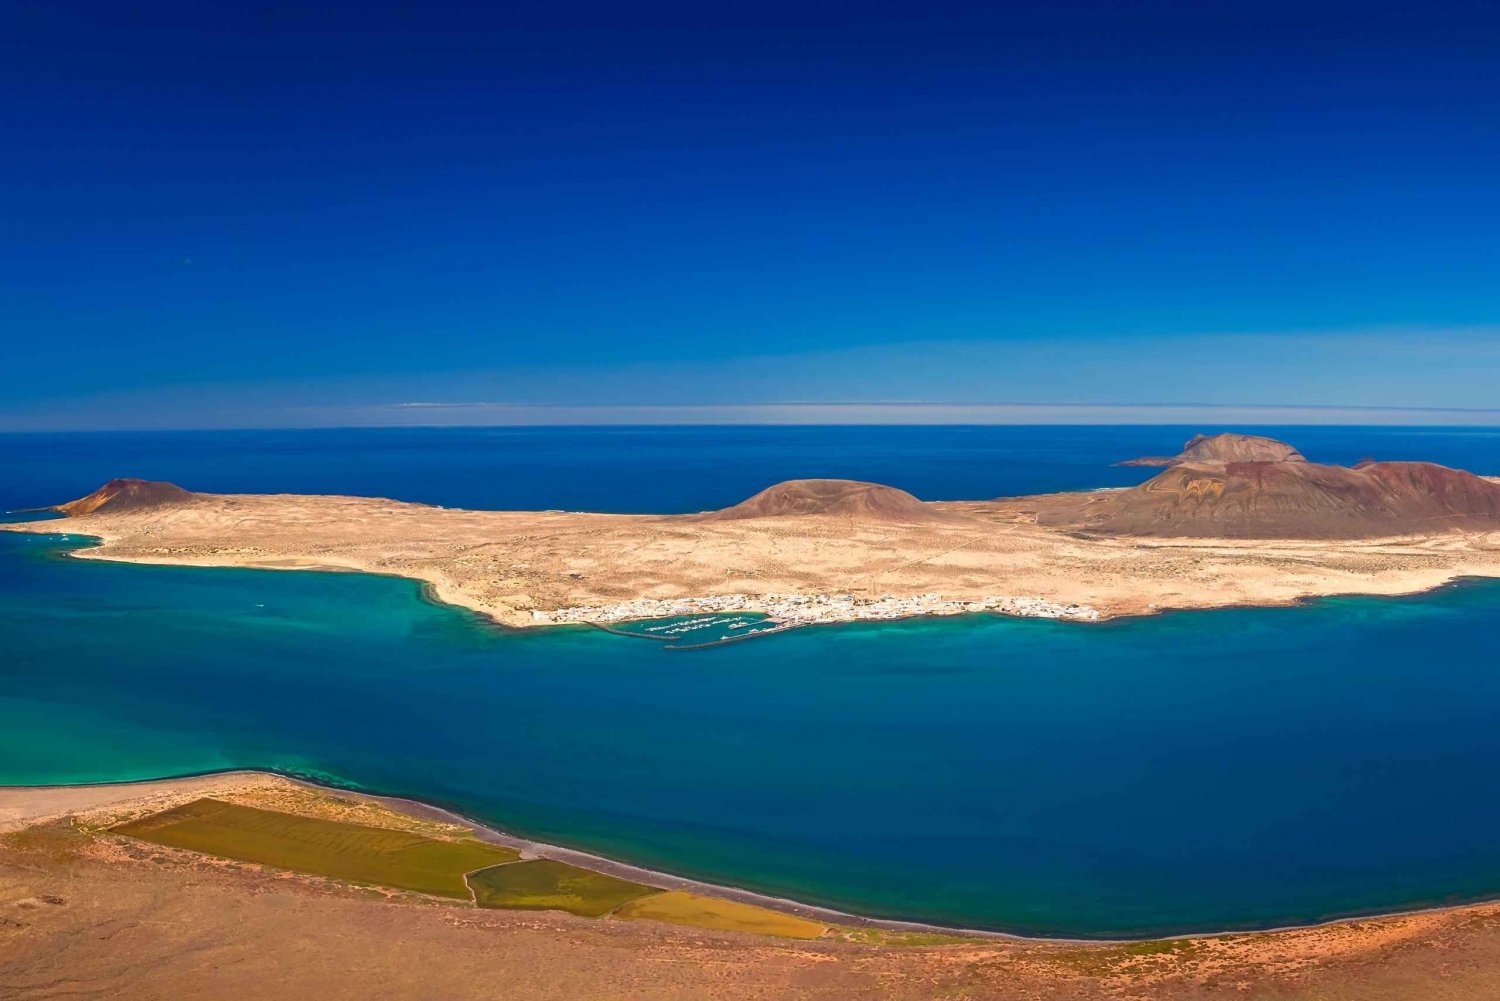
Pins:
x: 804, y: 609
x: 652, y: 608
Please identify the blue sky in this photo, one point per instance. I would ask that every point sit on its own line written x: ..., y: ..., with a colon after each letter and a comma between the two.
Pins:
x: 254, y: 215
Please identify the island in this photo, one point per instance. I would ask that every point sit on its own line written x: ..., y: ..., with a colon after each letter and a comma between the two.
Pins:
x: 1233, y: 520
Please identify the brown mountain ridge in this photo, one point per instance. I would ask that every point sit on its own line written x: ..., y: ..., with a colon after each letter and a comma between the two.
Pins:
x: 119, y: 496
x: 1212, y: 490
x: 1226, y: 486
x: 846, y: 498
x: 1224, y: 448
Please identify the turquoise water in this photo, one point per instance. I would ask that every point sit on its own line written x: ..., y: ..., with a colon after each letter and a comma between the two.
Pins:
x: 1206, y: 770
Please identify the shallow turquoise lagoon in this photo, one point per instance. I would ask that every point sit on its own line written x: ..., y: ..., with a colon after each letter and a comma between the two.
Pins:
x: 1241, y: 768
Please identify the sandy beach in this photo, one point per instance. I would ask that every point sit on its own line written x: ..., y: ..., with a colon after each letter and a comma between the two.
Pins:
x: 520, y: 567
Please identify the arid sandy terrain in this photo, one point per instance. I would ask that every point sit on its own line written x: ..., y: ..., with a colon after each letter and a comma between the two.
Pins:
x: 85, y: 913
x: 507, y: 564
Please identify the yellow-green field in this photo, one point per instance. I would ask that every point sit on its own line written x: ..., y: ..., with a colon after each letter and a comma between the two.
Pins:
x: 679, y: 907
x: 352, y: 852
x: 545, y: 885
x: 463, y: 868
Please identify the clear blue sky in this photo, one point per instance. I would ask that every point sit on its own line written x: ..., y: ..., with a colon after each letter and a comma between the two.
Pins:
x: 247, y: 215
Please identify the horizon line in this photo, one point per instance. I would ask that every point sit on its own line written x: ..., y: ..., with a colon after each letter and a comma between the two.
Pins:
x: 824, y: 413
x: 1001, y: 405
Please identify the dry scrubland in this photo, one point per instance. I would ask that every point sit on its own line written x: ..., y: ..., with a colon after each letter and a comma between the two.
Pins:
x: 88, y: 912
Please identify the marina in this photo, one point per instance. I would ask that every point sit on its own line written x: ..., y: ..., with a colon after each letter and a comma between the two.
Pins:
x: 696, y: 632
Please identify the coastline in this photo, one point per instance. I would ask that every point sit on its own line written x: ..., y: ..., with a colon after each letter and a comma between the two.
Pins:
x: 787, y: 610
x: 1475, y: 556
x: 192, y: 785
x: 161, y: 791
x: 430, y: 592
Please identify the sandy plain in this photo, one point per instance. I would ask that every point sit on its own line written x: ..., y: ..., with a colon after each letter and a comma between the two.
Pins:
x: 86, y: 913
x: 508, y: 564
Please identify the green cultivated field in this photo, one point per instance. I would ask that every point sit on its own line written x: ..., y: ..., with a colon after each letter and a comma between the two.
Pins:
x: 379, y: 856
x: 351, y: 852
x: 545, y: 885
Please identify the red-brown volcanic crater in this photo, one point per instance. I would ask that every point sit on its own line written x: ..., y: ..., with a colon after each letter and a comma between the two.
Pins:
x: 849, y: 498
x: 1286, y: 497
x: 124, y: 495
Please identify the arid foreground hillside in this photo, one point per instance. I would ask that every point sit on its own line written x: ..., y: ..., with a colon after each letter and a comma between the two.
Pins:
x: 90, y: 909
x: 89, y: 912
x: 1202, y: 533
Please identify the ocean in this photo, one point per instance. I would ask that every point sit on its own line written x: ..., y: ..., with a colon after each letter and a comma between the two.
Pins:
x: 655, y: 469
x: 1224, y: 769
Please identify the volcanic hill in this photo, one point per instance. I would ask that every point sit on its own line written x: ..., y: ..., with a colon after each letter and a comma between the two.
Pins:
x: 849, y: 498
x: 1211, y: 491
x: 1227, y: 447
x: 124, y: 495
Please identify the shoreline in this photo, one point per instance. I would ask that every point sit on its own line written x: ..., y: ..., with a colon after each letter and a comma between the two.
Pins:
x: 443, y: 593
x: 432, y: 592
x: 532, y: 849
x: 877, y: 609
x: 788, y: 610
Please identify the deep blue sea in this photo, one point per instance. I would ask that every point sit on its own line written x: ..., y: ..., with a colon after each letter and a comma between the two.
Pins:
x: 1197, y: 770
x: 635, y: 470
